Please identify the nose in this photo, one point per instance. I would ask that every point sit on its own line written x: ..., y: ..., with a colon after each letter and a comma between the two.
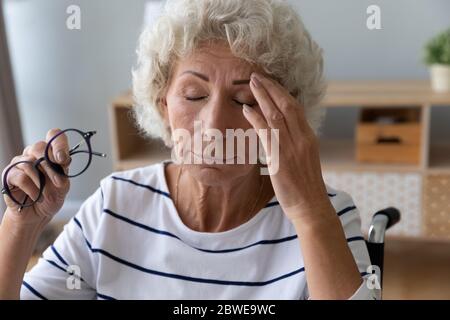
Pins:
x: 218, y: 114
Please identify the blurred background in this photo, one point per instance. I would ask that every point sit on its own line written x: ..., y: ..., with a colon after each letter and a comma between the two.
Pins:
x: 385, y: 139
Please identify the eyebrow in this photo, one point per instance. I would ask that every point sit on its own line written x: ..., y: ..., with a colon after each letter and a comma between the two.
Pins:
x: 205, y: 77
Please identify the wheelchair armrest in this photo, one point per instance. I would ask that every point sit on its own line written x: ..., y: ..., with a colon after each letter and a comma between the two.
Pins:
x: 392, y: 214
x: 381, y: 221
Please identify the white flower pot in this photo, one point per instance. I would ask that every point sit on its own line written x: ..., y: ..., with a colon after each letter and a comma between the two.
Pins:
x: 440, y: 77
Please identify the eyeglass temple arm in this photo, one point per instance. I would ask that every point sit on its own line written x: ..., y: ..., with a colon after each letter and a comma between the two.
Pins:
x: 100, y: 154
x: 23, y: 202
x: 87, y: 135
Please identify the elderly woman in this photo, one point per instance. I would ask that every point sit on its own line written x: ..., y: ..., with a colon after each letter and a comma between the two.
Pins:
x: 204, y: 229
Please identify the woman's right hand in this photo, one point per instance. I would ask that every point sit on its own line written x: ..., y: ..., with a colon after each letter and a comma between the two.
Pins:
x: 24, y: 182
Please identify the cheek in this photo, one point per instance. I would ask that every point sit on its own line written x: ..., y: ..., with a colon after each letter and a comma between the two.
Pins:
x: 181, y: 115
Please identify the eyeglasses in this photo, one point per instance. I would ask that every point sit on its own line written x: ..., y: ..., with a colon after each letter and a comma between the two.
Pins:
x: 80, y: 161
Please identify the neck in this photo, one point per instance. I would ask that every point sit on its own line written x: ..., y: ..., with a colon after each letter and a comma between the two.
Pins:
x: 222, y: 207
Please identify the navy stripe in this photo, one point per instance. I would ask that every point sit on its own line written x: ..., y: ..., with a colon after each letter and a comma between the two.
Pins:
x: 186, y: 278
x: 168, y: 195
x: 78, y: 223
x: 105, y: 297
x: 272, y: 204
x: 53, y: 263
x: 143, y: 185
x: 33, y: 290
x: 355, y: 239
x: 59, y: 256
x: 115, y: 215
x: 166, y: 233
x: 276, y: 203
x: 340, y: 213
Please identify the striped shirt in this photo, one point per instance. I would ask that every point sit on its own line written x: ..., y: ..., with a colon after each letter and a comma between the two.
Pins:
x: 127, y: 241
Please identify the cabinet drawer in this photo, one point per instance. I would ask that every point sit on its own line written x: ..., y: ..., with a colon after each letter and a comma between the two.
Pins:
x: 401, y: 134
x: 378, y: 153
x: 389, y: 136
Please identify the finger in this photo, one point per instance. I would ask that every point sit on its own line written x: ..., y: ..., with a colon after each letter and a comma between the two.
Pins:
x: 59, y: 145
x: 286, y: 104
x: 37, y: 151
x: 273, y: 116
x: 260, y: 125
x: 49, y: 193
x: 24, y: 183
x: 26, y: 165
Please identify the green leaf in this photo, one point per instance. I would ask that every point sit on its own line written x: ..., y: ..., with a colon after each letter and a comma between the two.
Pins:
x: 437, y: 50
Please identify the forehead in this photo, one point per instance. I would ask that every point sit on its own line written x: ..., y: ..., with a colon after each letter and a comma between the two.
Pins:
x: 215, y: 60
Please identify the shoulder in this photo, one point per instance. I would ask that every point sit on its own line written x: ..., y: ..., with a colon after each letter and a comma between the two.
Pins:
x: 131, y: 188
x: 339, y: 198
x: 148, y: 177
x: 344, y: 205
x: 124, y: 193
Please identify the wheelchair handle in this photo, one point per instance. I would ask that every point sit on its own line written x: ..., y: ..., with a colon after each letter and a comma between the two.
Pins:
x: 381, y: 221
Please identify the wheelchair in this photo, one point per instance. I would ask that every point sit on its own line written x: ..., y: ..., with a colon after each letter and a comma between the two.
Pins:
x: 381, y: 221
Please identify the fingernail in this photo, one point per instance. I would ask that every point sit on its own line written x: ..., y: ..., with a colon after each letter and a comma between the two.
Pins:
x: 255, y: 81
x: 247, y: 108
x: 61, y: 156
x: 257, y: 75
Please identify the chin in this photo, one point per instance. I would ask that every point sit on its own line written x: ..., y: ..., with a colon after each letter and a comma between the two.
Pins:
x: 218, y: 174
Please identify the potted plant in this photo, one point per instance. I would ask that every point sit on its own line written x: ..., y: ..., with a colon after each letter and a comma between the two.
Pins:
x: 437, y: 56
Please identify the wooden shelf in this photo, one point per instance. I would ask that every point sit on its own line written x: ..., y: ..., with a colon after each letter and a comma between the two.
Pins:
x: 124, y: 100
x: 130, y: 149
x: 141, y: 157
x: 434, y: 167
x: 383, y: 94
x: 339, y: 155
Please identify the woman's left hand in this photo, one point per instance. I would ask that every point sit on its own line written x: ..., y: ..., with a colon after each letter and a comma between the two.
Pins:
x: 297, y: 177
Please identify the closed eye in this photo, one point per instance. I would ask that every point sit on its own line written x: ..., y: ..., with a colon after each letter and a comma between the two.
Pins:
x: 203, y: 97
x: 194, y: 98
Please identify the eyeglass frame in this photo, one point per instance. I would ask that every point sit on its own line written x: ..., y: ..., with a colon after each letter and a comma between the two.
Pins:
x: 54, y: 166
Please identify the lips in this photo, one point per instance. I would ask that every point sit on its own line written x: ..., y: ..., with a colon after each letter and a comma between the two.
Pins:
x: 212, y: 158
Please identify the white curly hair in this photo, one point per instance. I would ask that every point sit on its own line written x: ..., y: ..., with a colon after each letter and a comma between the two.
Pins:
x: 268, y: 33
